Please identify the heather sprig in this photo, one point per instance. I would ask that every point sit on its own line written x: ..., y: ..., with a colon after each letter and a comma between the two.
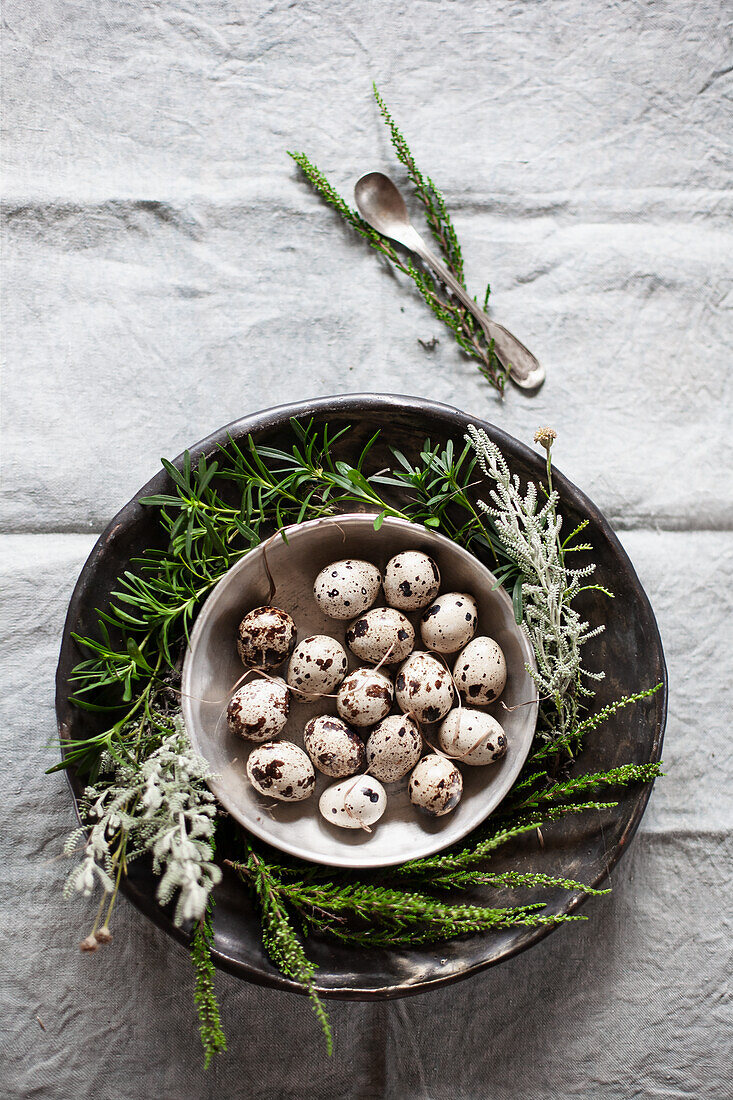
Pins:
x: 466, y: 331
x: 280, y: 937
x: 212, y: 1034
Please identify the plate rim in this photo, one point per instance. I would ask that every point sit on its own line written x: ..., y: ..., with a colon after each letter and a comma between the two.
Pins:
x: 356, y: 404
x: 431, y: 848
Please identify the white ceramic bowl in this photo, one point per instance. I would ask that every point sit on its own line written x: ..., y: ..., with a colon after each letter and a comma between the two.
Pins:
x: 212, y: 666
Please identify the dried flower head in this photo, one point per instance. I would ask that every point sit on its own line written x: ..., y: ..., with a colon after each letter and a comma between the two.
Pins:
x: 103, y: 935
x: 545, y: 437
x: 91, y: 943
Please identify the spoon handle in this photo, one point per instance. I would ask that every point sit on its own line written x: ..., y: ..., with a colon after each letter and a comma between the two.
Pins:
x: 524, y: 368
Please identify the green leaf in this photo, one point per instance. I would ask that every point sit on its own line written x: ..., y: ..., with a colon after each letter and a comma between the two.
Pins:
x: 175, y: 475
x: 517, y: 600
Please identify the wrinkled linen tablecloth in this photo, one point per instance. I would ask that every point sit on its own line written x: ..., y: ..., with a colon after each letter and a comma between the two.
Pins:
x: 166, y: 270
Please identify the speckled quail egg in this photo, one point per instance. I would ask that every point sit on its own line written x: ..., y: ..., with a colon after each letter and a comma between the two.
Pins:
x: 435, y: 785
x: 333, y: 746
x: 355, y: 803
x: 364, y: 697
x: 411, y: 580
x: 266, y: 637
x: 449, y: 623
x: 480, y: 672
x: 281, y: 770
x: 424, y: 687
x: 382, y: 634
x: 473, y: 737
x: 346, y: 588
x: 317, y: 666
x: 259, y: 710
x: 393, y: 748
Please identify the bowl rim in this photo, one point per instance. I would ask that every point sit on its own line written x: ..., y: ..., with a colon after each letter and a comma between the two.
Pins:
x: 349, y: 405
x: 497, y: 790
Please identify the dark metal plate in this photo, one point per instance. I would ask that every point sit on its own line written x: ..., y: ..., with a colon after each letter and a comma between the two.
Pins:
x: 584, y: 847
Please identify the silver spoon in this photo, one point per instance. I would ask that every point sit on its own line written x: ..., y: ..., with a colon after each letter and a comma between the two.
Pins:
x: 382, y: 206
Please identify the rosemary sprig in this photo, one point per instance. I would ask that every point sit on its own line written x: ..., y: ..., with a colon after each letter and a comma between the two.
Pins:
x: 135, y: 656
x: 469, y: 335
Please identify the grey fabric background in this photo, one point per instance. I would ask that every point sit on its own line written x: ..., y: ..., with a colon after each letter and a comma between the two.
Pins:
x: 166, y: 271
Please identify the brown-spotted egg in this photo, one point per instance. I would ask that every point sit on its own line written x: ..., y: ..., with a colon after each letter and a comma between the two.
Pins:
x: 355, y: 803
x: 346, y: 588
x: 424, y: 688
x: 393, y: 748
x: 435, y: 785
x: 411, y: 580
x: 382, y: 634
x: 473, y: 736
x: 480, y: 672
x: 281, y: 770
x: 259, y: 710
x: 333, y: 747
x: 317, y: 666
x: 364, y: 697
x: 449, y: 623
x: 266, y: 637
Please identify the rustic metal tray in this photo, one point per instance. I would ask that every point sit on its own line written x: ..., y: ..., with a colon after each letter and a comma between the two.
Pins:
x: 583, y: 847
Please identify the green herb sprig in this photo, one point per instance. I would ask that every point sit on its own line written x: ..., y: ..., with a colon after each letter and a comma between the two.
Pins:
x: 279, y: 936
x: 212, y: 1034
x: 153, y: 606
x: 390, y: 917
x: 466, y: 331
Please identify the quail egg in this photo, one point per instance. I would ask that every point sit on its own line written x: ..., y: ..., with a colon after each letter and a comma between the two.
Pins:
x: 393, y: 748
x: 435, y: 785
x: 449, y: 623
x: 266, y: 637
x: 382, y: 634
x: 259, y: 710
x: 480, y: 672
x: 333, y: 747
x: 281, y: 770
x: 317, y: 666
x: 411, y: 580
x: 424, y: 687
x: 364, y: 697
x: 346, y: 588
x: 354, y: 803
x: 473, y: 736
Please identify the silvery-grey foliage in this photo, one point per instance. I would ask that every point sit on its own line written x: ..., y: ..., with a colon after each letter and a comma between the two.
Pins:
x: 164, y: 807
x: 530, y: 533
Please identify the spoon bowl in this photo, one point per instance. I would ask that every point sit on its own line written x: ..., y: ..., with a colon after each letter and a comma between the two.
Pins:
x: 380, y: 203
